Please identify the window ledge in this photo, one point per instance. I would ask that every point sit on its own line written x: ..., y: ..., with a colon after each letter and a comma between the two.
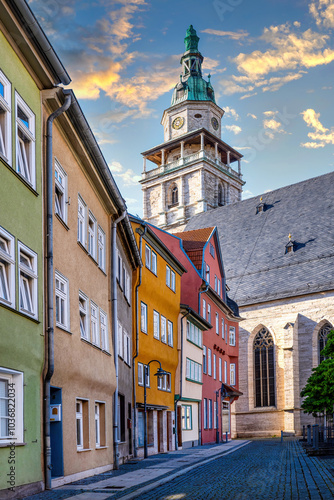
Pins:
x: 19, y: 176
x: 84, y: 449
x: 64, y: 329
x: 63, y: 223
x: 20, y: 313
x: 82, y: 246
x: 194, y: 381
x: 106, y: 352
x: 91, y: 344
x: 101, y: 447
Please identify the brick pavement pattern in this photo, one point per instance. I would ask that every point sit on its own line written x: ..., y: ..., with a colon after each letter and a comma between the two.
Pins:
x: 264, y: 469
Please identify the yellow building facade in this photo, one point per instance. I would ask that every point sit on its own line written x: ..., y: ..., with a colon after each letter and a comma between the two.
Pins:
x: 156, y: 307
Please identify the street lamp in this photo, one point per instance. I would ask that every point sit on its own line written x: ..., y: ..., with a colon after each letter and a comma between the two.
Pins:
x: 223, y: 394
x: 160, y: 373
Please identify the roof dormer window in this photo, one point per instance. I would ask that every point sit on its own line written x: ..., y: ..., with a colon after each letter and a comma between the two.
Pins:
x: 261, y: 206
x: 290, y: 247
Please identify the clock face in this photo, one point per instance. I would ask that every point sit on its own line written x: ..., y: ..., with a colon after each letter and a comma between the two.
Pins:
x: 214, y: 123
x: 178, y: 122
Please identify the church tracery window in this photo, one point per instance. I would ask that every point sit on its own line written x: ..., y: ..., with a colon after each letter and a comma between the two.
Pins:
x: 322, y: 339
x: 264, y: 368
x: 173, y: 196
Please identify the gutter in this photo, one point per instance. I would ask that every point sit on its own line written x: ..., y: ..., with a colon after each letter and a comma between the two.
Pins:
x: 135, y: 451
x: 115, y: 332
x: 50, y: 274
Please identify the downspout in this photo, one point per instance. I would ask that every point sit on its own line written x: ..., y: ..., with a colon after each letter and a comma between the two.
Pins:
x: 135, y: 451
x: 181, y: 373
x: 49, y: 277
x: 115, y: 332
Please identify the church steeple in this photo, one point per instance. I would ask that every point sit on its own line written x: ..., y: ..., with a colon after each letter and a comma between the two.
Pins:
x: 192, y: 86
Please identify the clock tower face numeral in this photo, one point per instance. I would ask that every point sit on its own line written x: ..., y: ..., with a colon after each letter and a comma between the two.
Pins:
x: 178, y: 122
x: 214, y: 123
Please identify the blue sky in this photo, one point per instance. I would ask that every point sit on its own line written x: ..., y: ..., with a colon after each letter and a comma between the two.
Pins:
x: 271, y: 63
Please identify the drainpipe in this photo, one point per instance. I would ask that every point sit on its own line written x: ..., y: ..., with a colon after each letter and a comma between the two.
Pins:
x: 181, y: 373
x: 50, y: 273
x: 135, y: 451
x: 115, y: 331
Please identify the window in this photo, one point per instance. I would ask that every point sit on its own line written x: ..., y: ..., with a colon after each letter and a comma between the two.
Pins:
x: 186, y: 413
x: 25, y: 141
x: 154, y: 262
x: 174, y: 195
x: 214, y: 367
x: 204, y: 360
x: 82, y: 210
x: 221, y: 196
x: 217, y: 323
x: 156, y: 325
x: 7, y: 267
x: 209, y: 362
x: 28, y: 280
x: 11, y: 406
x: 214, y: 415
x: 120, y: 339
x: 210, y: 414
x: 204, y: 309
x: 62, y: 301
x: 141, y: 375
x: 104, y: 331
x: 147, y: 257
x: 170, y: 333
x: 119, y: 269
x: 143, y: 317
x: 225, y: 372
x: 127, y: 287
x: 232, y: 335
x: 101, y: 249
x: 207, y: 273
x: 100, y: 424
x: 92, y: 235
x: 170, y: 278
x: 121, y: 418
x: 209, y: 313
x: 212, y: 250
x: 223, y: 328
x: 232, y: 374
x: 150, y: 259
x: 218, y: 287
x: 82, y: 428
x: 194, y: 334
x: 5, y: 119
x: 97, y: 425
x: 126, y: 348
x: 60, y: 191
x: 193, y: 371
x: 94, y: 323
x: 163, y: 330
x: 83, y: 312
x: 216, y: 283
x: 220, y: 370
x: 322, y: 339
x: 205, y: 413
x: 264, y: 370
x: 164, y: 382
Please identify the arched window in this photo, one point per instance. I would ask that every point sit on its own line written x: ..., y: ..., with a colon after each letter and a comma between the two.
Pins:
x: 174, y: 196
x: 322, y: 339
x: 264, y: 370
x: 221, y: 195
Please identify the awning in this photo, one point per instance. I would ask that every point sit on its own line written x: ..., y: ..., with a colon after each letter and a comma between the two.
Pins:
x: 151, y: 406
x: 231, y: 391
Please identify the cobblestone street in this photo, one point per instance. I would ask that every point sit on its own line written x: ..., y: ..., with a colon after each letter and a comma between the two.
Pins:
x: 260, y: 469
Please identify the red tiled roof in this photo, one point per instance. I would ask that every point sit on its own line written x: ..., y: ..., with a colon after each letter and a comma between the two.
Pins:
x: 193, y: 243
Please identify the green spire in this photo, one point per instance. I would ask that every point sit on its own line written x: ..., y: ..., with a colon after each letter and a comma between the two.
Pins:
x: 191, y: 40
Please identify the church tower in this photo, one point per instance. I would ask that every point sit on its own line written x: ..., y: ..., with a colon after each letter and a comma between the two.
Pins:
x: 194, y: 169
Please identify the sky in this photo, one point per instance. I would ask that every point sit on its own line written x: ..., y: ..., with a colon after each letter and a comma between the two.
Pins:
x: 271, y: 64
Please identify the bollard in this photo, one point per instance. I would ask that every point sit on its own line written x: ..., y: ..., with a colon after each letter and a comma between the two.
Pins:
x: 316, y: 437
x: 304, y: 433
x: 309, y: 439
x: 281, y: 436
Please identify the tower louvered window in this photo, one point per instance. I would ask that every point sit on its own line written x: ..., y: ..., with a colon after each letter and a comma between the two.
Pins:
x: 264, y: 370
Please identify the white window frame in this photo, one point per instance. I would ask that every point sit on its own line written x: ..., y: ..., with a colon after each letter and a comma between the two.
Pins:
x: 214, y: 367
x: 218, y: 288
x: 140, y: 375
x: 154, y: 260
x: 92, y: 235
x: 104, y: 331
x: 28, y: 281
x: 120, y: 340
x: 5, y: 120
x: 193, y: 370
x: 14, y: 406
x: 220, y: 367
x: 101, y: 243
x: 214, y: 414
x: 147, y: 256
x: 119, y: 268
x: 60, y: 180
x: 126, y: 348
x: 217, y: 323
x: 143, y: 317
x: 223, y: 327
x: 7, y: 269
x: 127, y: 287
x: 209, y: 313
x: 163, y: 329
x: 225, y: 372
x: 172, y: 280
x: 79, y: 418
x: 232, y: 374
x: 156, y: 325
x: 232, y: 335
x: 62, y: 296
x: 204, y: 309
x: 25, y: 154
x: 205, y: 413
x: 84, y: 313
x: 168, y: 272
x: 94, y: 324
x: 194, y: 334
x: 205, y: 360
x: 187, y: 423
x: 170, y: 333
x: 97, y: 425
x: 209, y: 362
x: 82, y: 221
x: 164, y: 382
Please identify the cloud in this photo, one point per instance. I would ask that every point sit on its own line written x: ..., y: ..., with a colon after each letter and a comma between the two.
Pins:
x: 246, y: 96
x: 234, y: 128
x: 128, y: 176
x: 252, y: 116
x: 272, y: 124
x: 231, y: 112
x: 247, y: 194
x: 323, y: 12
x: 233, y: 35
x: 321, y: 136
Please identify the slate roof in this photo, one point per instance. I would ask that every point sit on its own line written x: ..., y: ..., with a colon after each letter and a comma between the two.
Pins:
x: 253, y: 244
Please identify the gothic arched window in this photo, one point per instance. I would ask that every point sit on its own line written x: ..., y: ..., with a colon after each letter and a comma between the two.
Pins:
x: 174, y: 196
x: 322, y: 339
x: 221, y: 195
x: 264, y: 369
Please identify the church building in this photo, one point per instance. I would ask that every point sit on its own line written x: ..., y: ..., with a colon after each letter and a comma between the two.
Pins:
x: 277, y: 250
